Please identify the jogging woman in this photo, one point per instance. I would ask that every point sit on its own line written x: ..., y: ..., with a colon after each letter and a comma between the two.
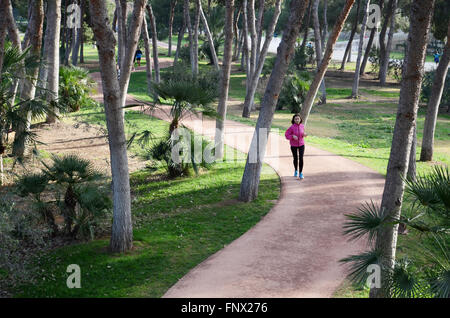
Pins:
x: 295, y: 135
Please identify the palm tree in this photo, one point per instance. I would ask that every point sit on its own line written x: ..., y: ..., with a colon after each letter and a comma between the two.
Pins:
x: 425, y: 268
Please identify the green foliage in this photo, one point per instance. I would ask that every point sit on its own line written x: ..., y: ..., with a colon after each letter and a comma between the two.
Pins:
x: 294, y: 90
x: 85, y: 203
x: 425, y: 267
x: 75, y: 85
x: 427, y: 85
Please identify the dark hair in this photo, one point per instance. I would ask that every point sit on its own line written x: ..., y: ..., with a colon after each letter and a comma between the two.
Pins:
x: 301, y: 119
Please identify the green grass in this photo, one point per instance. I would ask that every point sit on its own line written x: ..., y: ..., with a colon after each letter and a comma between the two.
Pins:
x: 177, y: 224
x: 401, y: 55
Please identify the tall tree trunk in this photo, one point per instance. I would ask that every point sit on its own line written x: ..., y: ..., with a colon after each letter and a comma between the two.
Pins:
x: 208, y: 36
x: 52, y: 49
x: 325, y: 24
x: 131, y: 46
x: 367, y: 52
x: 224, y: 79
x: 240, y: 45
x: 411, y: 174
x: 355, y: 87
x: 250, y: 96
x: 237, y: 36
x: 77, y: 43
x: 187, y: 18
x: 173, y: 4
x: 13, y: 34
x: 83, y: 9
x: 121, y: 9
x: 3, y: 27
x: 154, y: 41
x: 259, y: 27
x: 348, y: 49
x: 386, y: 242
x: 245, y: 56
x: 252, y: 29
x: 196, y: 26
x: 122, y: 228
x: 148, y: 64
x: 29, y: 84
x: 250, y: 179
x: 180, y: 38
x: 381, y: 37
x: 314, y: 87
x: 385, y: 64
x: 426, y: 153
x: 318, y: 46
x: 306, y: 28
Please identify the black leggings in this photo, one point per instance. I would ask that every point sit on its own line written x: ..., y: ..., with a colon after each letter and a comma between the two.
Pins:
x: 298, y: 160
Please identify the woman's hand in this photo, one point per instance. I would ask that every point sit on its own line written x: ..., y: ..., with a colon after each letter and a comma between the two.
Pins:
x: 305, y: 135
x: 295, y: 137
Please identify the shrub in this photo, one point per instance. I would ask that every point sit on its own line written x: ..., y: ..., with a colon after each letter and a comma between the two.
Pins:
x: 74, y: 88
x: 293, y: 92
x: 161, y: 152
x: 427, y: 85
x: 84, y: 204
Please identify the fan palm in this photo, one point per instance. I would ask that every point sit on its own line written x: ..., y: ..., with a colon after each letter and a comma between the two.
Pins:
x: 427, y: 270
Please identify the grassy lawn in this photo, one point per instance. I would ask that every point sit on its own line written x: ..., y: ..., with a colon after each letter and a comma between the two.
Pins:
x: 401, y: 55
x: 177, y: 224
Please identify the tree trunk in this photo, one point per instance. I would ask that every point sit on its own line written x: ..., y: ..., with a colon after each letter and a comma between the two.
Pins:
x: 314, y: 87
x: 180, y: 38
x: 187, y: 18
x: 348, y: 49
x: 121, y: 30
x: 259, y: 27
x: 3, y: 26
x: 318, y: 46
x: 131, y: 46
x: 325, y: 24
x: 83, y: 8
x: 13, y: 34
x: 52, y: 49
x: 237, y: 36
x: 173, y: 4
x: 208, y: 35
x: 412, y: 157
x: 305, y: 36
x: 252, y: 30
x: 245, y: 56
x: 250, y: 179
x: 29, y: 84
x: 355, y: 87
x: 250, y: 96
x: 382, y: 36
x: 76, y: 46
x: 154, y: 42
x: 383, y: 73
x: 366, y: 53
x: 196, y: 26
x: 122, y: 228
x: 148, y: 64
x: 224, y: 80
x: 426, y: 153
x: 420, y: 19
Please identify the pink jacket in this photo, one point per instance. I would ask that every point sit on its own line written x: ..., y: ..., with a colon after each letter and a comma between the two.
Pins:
x: 299, y: 131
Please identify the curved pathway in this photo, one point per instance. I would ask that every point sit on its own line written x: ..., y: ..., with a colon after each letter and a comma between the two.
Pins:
x: 294, y: 251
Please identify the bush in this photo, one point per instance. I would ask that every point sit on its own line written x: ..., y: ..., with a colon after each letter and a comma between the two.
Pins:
x: 74, y: 88
x: 300, y: 59
x: 427, y: 85
x: 294, y: 90
x: 161, y: 152
x: 84, y: 204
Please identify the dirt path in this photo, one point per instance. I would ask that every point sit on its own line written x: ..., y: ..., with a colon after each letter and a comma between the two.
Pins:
x: 294, y: 251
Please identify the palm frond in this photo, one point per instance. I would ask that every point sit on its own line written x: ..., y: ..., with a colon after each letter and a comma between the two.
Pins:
x: 403, y: 281
x: 369, y: 219
x: 359, y: 264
